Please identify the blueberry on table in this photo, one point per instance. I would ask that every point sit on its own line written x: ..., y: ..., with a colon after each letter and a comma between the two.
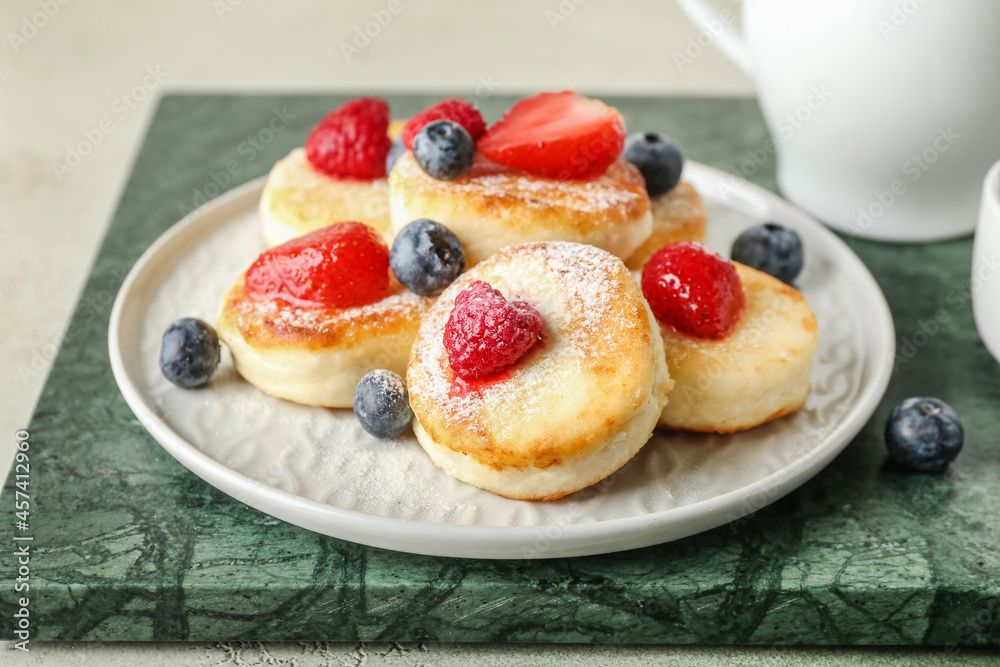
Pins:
x: 924, y: 434
x: 658, y: 158
x: 395, y: 151
x: 444, y: 149
x: 382, y: 404
x: 190, y: 353
x: 426, y: 257
x: 771, y: 248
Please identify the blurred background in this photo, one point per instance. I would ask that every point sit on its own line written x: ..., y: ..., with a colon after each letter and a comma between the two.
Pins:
x: 75, y: 70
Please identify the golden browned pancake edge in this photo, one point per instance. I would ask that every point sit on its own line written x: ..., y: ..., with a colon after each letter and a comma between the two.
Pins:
x: 678, y: 215
x: 491, y: 206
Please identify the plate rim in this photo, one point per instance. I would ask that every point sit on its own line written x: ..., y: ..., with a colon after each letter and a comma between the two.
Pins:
x: 448, y: 540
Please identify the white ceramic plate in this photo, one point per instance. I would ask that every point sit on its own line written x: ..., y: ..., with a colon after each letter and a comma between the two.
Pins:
x: 318, y: 469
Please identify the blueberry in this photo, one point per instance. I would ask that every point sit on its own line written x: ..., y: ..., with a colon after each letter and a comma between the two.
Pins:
x: 771, y: 248
x: 444, y: 150
x: 924, y: 434
x: 382, y: 404
x: 658, y: 158
x: 190, y: 353
x: 426, y: 257
x: 395, y: 151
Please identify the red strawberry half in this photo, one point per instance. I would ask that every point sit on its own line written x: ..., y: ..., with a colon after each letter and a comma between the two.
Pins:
x: 340, y: 266
x: 455, y: 110
x: 351, y: 141
x: 693, y: 290
x: 485, y: 333
x: 557, y: 135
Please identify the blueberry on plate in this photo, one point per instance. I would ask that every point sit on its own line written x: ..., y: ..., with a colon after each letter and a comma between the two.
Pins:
x: 444, y: 149
x: 395, y: 151
x: 658, y: 158
x: 426, y: 257
x: 190, y: 353
x: 771, y: 248
x: 924, y: 434
x: 382, y: 404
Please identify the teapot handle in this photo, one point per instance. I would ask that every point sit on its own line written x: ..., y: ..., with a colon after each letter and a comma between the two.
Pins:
x: 708, y: 15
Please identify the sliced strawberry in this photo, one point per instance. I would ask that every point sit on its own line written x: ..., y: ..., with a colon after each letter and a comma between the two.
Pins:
x: 557, y: 135
x: 340, y: 266
x: 351, y: 141
x: 693, y: 290
x: 455, y: 110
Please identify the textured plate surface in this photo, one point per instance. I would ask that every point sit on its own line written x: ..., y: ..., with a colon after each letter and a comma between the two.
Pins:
x: 318, y: 469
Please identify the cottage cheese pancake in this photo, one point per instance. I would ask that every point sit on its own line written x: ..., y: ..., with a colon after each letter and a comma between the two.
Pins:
x: 298, y: 199
x: 492, y: 206
x: 678, y: 215
x: 575, y: 408
x: 760, y: 372
x: 317, y: 356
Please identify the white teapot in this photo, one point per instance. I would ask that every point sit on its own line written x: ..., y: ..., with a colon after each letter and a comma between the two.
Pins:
x: 885, y: 113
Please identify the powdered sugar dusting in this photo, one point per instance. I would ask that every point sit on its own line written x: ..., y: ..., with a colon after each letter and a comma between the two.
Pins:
x: 601, y: 194
x: 388, y: 383
x: 289, y: 317
x: 593, y: 276
x: 618, y: 189
x: 579, y: 292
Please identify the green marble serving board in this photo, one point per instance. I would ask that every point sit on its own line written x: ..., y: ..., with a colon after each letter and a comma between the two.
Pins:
x: 129, y: 545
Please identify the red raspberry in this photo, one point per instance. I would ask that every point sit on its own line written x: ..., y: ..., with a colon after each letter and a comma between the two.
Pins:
x: 694, y: 290
x: 340, y: 266
x: 557, y: 135
x: 485, y: 333
x: 351, y: 142
x: 454, y: 109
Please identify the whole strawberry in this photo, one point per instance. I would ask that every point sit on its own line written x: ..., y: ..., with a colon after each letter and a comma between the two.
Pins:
x: 340, y: 266
x: 485, y: 333
x: 351, y: 141
x: 693, y: 290
x: 455, y: 110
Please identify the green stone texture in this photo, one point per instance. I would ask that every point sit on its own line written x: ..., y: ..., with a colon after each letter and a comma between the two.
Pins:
x: 129, y: 545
